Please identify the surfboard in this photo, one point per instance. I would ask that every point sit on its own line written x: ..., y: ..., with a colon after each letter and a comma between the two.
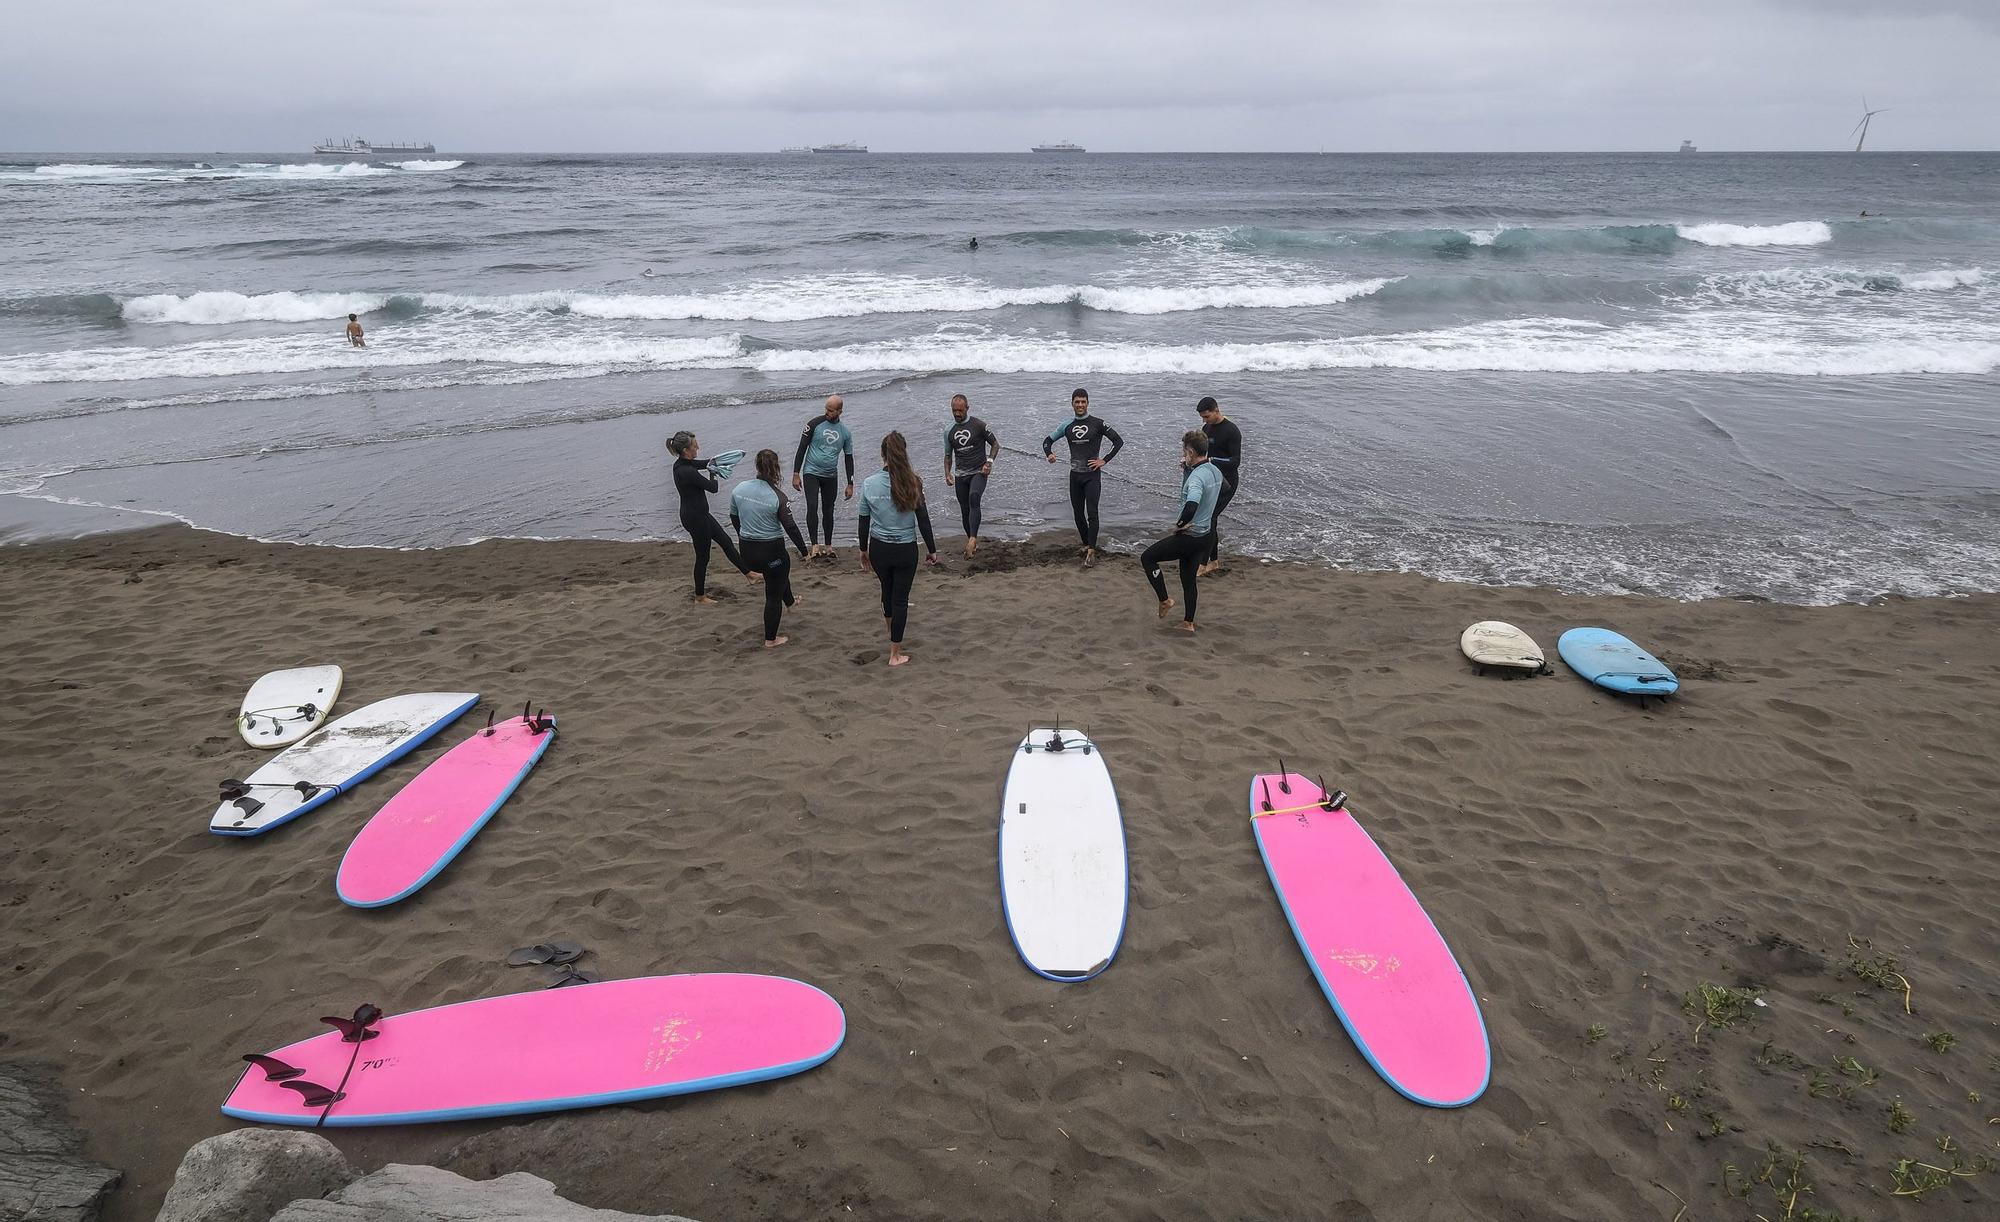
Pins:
x: 333, y: 759
x: 1493, y: 643
x: 423, y: 827
x: 1062, y: 857
x: 1615, y: 663
x: 1378, y: 958
x: 286, y: 705
x: 550, y: 1050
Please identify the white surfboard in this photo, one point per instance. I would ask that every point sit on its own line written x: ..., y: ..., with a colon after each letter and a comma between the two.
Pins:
x: 1492, y: 643
x: 1062, y: 857
x: 328, y: 763
x: 286, y: 705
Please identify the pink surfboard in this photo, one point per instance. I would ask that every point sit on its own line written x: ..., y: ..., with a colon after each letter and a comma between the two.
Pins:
x: 1379, y: 959
x: 438, y: 813
x: 545, y: 1051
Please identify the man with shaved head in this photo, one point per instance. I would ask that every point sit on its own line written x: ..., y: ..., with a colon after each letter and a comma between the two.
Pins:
x: 821, y: 446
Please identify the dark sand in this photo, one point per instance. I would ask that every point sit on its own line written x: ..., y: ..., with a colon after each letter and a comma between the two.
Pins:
x: 1823, y: 791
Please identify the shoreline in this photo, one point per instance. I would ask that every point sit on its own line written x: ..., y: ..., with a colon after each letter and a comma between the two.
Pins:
x: 1825, y: 775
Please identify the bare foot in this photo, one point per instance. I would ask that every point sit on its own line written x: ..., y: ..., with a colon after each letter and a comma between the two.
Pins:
x: 971, y: 546
x: 1166, y: 605
x: 1186, y: 625
x: 701, y: 598
x: 1089, y: 557
x: 754, y: 578
x: 773, y: 644
x: 1206, y: 569
x: 897, y: 659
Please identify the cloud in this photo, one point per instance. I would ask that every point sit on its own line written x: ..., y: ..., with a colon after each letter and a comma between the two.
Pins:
x: 627, y: 74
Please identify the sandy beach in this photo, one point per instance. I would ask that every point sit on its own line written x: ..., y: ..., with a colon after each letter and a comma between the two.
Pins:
x: 1811, y: 819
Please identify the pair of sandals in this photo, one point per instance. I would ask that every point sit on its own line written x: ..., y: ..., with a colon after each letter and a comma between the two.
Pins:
x: 560, y: 956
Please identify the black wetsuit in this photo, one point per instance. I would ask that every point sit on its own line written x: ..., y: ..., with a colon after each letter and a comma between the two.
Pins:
x: 968, y: 446
x: 1225, y: 450
x: 693, y: 480
x: 1085, y: 436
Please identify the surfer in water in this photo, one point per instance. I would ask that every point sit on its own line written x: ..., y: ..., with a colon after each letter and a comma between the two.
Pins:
x: 693, y: 480
x: 892, y: 515
x: 1085, y: 436
x: 1225, y: 453
x: 354, y: 339
x: 1200, y: 488
x: 822, y: 445
x: 969, y: 450
x: 762, y: 516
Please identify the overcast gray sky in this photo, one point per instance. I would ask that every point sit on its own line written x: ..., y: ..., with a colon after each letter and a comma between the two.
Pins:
x: 660, y: 75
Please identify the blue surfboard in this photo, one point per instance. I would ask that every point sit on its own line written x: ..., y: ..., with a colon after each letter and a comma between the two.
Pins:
x: 1616, y: 664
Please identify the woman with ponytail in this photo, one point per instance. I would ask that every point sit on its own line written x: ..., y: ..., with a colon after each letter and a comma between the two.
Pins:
x: 694, y: 479
x: 762, y: 517
x: 892, y: 515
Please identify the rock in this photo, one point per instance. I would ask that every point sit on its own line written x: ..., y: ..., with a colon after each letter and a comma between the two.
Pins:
x: 43, y: 1177
x: 250, y: 1174
x: 427, y: 1194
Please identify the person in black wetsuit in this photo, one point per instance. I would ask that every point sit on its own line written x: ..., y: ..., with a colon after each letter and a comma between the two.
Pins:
x: 892, y: 515
x: 763, y: 517
x: 1225, y: 450
x: 823, y: 443
x: 969, y: 450
x: 1085, y: 435
x: 694, y: 481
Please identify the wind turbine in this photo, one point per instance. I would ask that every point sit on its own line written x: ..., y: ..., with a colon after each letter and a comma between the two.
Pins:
x: 1862, y: 127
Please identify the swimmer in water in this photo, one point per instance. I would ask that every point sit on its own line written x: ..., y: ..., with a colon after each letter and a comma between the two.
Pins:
x: 354, y: 339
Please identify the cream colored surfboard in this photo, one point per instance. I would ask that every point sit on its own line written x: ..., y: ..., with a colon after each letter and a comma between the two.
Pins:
x: 1492, y: 643
x: 286, y: 705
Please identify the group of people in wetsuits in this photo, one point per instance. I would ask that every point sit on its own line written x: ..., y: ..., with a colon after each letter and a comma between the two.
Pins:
x: 893, y: 512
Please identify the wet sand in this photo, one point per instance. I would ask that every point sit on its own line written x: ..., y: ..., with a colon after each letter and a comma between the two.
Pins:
x: 1818, y: 802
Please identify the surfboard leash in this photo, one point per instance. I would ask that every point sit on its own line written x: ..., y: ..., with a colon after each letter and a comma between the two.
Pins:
x: 1330, y: 800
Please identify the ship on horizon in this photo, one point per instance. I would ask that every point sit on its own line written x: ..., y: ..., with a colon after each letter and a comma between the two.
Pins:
x: 840, y: 147
x: 1687, y: 146
x: 1060, y: 146
x: 356, y: 147
x: 796, y: 148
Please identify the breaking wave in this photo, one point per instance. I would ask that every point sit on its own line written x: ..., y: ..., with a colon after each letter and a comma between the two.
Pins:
x: 1735, y: 342
x: 102, y: 173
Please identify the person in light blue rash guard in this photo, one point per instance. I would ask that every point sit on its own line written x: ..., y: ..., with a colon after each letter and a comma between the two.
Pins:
x: 892, y: 515
x: 1085, y: 435
x: 822, y: 445
x: 1201, y: 486
x: 763, y: 517
x: 969, y: 450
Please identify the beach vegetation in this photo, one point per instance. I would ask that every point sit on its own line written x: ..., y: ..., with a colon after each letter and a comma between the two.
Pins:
x: 1900, y: 1117
x: 1719, y: 1006
x: 1876, y: 971
x: 1940, y: 1041
x: 1596, y: 1032
x: 1772, y: 1057
x: 1819, y: 1086
x: 1852, y: 1068
x: 1783, y: 1173
x: 1912, y: 1177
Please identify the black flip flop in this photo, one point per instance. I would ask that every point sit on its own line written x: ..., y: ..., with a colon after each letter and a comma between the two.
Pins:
x: 570, y: 976
x: 545, y: 952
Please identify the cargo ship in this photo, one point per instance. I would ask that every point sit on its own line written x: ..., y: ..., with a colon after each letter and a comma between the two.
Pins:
x: 361, y: 148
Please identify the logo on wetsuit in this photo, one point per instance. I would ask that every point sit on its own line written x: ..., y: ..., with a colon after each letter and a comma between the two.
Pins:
x: 1079, y: 433
x: 827, y: 439
x: 961, y: 438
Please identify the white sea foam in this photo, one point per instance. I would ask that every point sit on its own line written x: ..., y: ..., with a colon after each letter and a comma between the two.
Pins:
x: 797, y: 300
x: 426, y: 167
x: 1791, y: 233
x: 1944, y: 278
x: 1704, y: 342
x: 224, y: 307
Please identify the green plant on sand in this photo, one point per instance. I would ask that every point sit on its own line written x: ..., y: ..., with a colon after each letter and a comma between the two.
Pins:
x: 1718, y: 1006
x: 1940, y: 1041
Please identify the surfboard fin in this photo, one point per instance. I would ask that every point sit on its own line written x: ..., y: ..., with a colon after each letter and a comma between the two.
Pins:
x: 312, y: 1094
x: 359, y: 1028
x: 274, y: 1069
x: 488, y: 731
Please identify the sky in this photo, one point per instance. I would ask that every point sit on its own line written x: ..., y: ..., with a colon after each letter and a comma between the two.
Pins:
x: 1130, y: 75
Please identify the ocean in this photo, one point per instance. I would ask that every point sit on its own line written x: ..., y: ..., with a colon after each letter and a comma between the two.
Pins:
x: 1692, y: 375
